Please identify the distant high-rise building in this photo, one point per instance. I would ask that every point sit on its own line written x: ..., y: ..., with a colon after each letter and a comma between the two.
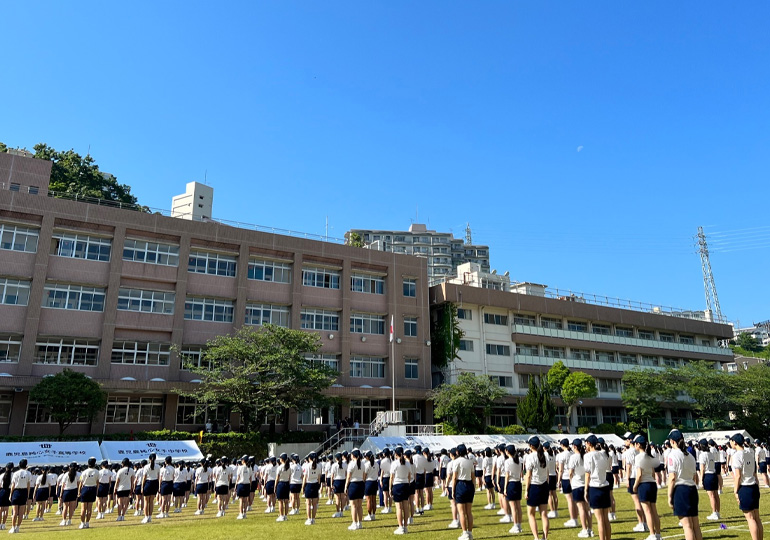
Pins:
x: 443, y: 251
x: 195, y: 203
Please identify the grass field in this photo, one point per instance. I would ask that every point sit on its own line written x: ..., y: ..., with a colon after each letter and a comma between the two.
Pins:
x: 432, y: 526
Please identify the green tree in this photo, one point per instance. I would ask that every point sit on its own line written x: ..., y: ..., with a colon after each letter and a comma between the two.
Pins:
x: 69, y: 396
x: 354, y: 239
x: 536, y: 410
x: 256, y: 372
x: 714, y: 392
x: 748, y: 342
x: 644, y: 393
x: 556, y: 377
x: 578, y: 385
x: 467, y: 402
x: 753, y: 399
x: 445, y: 336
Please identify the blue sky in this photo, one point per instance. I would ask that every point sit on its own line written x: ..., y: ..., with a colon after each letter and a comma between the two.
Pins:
x: 585, y: 142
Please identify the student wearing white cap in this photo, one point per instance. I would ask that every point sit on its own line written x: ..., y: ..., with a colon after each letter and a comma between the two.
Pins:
x: 682, y: 491
x: 645, y: 487
x: 746, y: 485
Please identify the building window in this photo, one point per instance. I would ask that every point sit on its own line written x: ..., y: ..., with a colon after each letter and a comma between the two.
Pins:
x: 367, y: 367
x: 577, y: 326
x: 15, y: 238
x: 649, y: 360
x: 10, y: 349
x: 625, y: 358
x: 146, y: 301
x: 366, y: 283
x: 646, y: 334
x: 525, y: 378
x: 666, y: 337
x: 609, y: 385
x: 33, y: 190
x: 81, y: 246
x: 139, y: 353
x: 503, y: 381
x: 367, y: 323
x: 411, y: 368
x: 264, y: 270
x: 6, y: 400
x: 38, y: 414
x: 258, y: 314
x: 612, y: 415
x: 465, y: 314
x: 553, y: 352
x: 466, y: 345
x: 670, y: 362
x: 622, y: 331
x: 192, y: 413
x: 192, y: 357
x: 503, y: 416
x: 318, y: 416
x: 208, y: 309
x: 365, y: 411
x: 320, y: 277
x: 15, y: 186
x: 148, y: 252
x: 526, y: 320
x: 209, y: 262
x: 14, y: 292
x: 579, y: 354
x: 134, y: 410
x: 319, y: 319
x: 604, y: 356
x: 75, y: 297
x: 604, y: 329
x: 586, y: 416
x: 410, y: 326
x: 410, y: 287
x: 498, y: 350
x: 494, y: 318
x: 329, y: 360
x: 550, y: 322
x: 687, y: 340
x: 67, y: 352
x: 527, y: 350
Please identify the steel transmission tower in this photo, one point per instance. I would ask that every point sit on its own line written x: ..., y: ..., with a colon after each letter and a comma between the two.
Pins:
x: 712, y: 300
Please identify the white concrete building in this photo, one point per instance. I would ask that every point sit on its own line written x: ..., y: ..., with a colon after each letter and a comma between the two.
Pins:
x: 195, y: 203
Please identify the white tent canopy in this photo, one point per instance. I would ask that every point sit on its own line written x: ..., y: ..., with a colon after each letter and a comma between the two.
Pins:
x: 476, y: 442
x: 115, y: 451
x: 720, y: 437
x: 50, y: 452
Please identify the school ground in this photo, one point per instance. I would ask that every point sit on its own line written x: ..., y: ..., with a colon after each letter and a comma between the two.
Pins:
x: 432, y: 526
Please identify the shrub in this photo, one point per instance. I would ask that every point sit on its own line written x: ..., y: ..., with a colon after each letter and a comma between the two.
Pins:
x: 513, y: 429
x: 584, y: 430
x: 606, y: 429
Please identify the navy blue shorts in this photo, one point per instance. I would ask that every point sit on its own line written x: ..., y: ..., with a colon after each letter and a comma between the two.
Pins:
x: 419, y: 481
x: 339, y: 486
x: 762, y: 467
x: 178, y: 489
x: 685, y: 501
x: 150, y: 488
x: 295, y: 488
x: 282, y: 491
x: 615, y: 469
x: 370, y: 488
x: 201, y: 489
x: 429, y: 480
x: 553, y: 482
x: 500, y: 484
x: 103, y: 490
x: 69, y: 495
x: 579, y: 494
x: 243, y: 490
x: 538, y: 494
x: 630, y: 488
x: 412, y: 488
x: 611, y: 479
x: 87, y: 494
x: 137, y: 489
x: 647, y: 492
x: 599, y: 497
x: 513, y: 491
x: 748, y: 498
x: 464, y: 492
x: 270, y: 487
x: 660, y: 468
x: 400, y: 492
x: 449, y: 493
x: 311, y: 491
x: 356, y: 491
x: 222, y: 490
x: 5, y: 498
x: 188, y: 485
x: 478, y: 473
x: 167, y: 487
x: 488, y: 483
x: 442, y: 473
x: 123, y: 493
x: 42, y: 494
x: 710, y: 482
x: 19, y: 497
x: 385, y: 483
x: 566, y: 486
x: 254, y: 486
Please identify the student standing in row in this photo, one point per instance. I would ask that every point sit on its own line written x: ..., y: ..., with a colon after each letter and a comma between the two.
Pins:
x: 577, y: 476
x: 69, y: 493
x: 463, y: 491
x: 400, y: 479
x: 709, y: 478
x: 20, y: 484
x: 124, y: 486
x: 513, y: 489
x: 597, y: 464
x: 563, y: 474
x: 536, y: 486
x: 282, y: 487
x: 87, y: 492
x: 311, y: 485
x: 371, y: 478
x: 150, y: 487
x: 243, y: 475
x: 645, y: 486
x: 682, y: 490
x: 42, y: 492
x: 746, y: 488
x: 202, y: 479
x: 103, y: 490
x: 354, y: 487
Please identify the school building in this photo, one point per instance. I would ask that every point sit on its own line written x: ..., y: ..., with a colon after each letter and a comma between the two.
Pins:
x: 517, y: 331
x: 111, y: 292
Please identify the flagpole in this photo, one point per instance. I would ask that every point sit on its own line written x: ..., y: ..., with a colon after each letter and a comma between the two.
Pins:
x: 393, y: 365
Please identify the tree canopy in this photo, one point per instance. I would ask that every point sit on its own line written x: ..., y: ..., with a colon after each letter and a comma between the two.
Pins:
x: 467, y: 402
x: 536, y: 410
x: 69, y: 396
x: 645, y: 391
x: 445, y: 336
x: 258, y: 372
x: 76, y: 175
x: 748, y: 342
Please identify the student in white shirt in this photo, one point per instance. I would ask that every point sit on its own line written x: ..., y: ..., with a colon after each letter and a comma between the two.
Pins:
x: 746, y: 485
x: 400, y: 479
x: 103, y: 489
x: 88, y: 480
x: 295, y: 484
x: 629, y: 457
x: 450, y: 470
x: 311, y: 484
x: 202, y: 479
x: 682, y: 491
x: 385, y: 464
x: 243, y: 474
x: 487, y: 465
x: 371, y: 477
x: 339, y: 473
x: 166, y: 479
x: 562, y: 474
x: 536, y: 485
x: 645, y: 487
x: 69, y: 482
x: 42, y: 492
x: 124, y: 486
x: 430, y: 477
x: 150, y: 487
x: 138, y: 483
x: 512, y: 468
x: 597, y: 464
x: 709, y: 478
x: 419, y: 478
x: 5, y: 494
x: 282, y: 487
x: 463, y: 491
x: 20, y: 484
x: 179, y: 486
x: 355, y: 487
x: 553, y: 482
x: 577, y: 473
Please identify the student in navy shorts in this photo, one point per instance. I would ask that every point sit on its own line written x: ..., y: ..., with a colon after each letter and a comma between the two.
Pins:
x: 682, y: 492
x: 536, y: 485
x: 746, y: 488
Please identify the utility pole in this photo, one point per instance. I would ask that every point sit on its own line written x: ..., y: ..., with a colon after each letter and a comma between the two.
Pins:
x: 712, y: 301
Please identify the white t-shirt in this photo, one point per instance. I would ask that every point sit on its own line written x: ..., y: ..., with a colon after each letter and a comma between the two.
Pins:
x: 180, y: 475
x: 22, y: 479
x: 629, y: 458
x: 419, y: 463
x: 400, y: 473
x: 271, y: 472
x: 532, y: 464
x: 105, y: 476
x: 385, y: 464
x: 243, y: 475
x: 123, y: 481
x: 561, y: 461
x: 202, y: 476
x: 647, y: 466
x: 682, y: 464
x: 167, y: 473
x: 706, y: 462
x: 339, y: 471
x: 312, y: 476
x: 284, y: 474
x: 486, y: 466
x: 139, y: 476
x: 760, y: 454
x: 90, y: 477
x: 597, y: 464
x: 512, y: 469
x: 296, y: 473
x: 746, y: 461
x: 67, y: 484
x: 443, y: 461
x: 356, y: 474
x: 576, y: 465
x: 371, y: 472
x: 151, y: 474
x: 499, y: 462
x: 464, y: 468
x: 551, y: 464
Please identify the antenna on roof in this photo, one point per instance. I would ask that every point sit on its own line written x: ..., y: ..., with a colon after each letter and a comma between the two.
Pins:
x: 468, y: 237
x: 205, y: 176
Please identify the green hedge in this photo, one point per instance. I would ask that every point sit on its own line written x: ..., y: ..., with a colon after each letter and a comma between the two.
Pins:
x: 513, y: 429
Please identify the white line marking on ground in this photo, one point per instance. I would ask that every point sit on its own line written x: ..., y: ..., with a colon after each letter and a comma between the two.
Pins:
x: 736, y: 528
